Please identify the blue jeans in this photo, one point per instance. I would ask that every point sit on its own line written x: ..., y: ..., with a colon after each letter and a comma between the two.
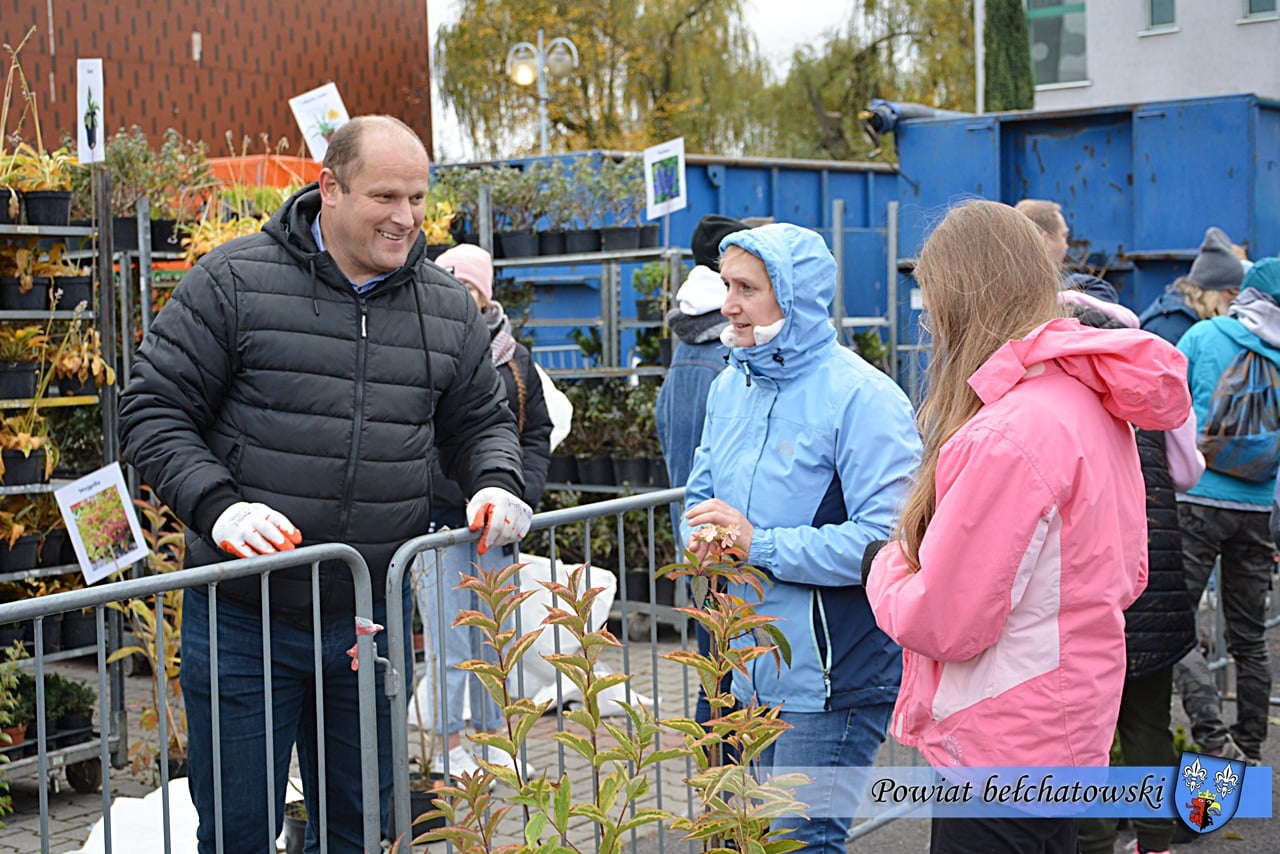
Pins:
x: 844, y: 739
x: 243, y: 725
x: 460, y: 644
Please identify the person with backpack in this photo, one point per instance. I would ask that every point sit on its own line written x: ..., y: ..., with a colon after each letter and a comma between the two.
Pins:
x: 473, y: 267
x: 1234, y: 373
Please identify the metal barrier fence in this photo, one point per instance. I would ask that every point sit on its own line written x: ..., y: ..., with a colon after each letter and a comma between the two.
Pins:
x: 101, y: 597
x: 590, y: 528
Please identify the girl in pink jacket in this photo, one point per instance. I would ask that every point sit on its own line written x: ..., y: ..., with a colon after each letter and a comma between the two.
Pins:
x: 1023, y: 538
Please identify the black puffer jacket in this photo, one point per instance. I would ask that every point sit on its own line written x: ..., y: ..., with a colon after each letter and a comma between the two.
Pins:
x: 266, y: 378
x: 449, y: 500
x: 1160, y: 627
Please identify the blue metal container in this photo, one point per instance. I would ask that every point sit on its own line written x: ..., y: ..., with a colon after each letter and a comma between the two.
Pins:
x: 1138, y: 184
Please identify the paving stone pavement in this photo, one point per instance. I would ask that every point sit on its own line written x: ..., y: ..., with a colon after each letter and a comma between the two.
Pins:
x: 71, y: 814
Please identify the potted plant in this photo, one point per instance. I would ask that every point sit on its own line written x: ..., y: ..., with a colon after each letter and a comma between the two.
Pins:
x: 75, y: 721
x: 19, y: 539
x: 649, y: 281
x: 77, y: 362
x: 44, y: 178
x: 437, y: 222
x: 66, y: 284
x: 22, y: 348
x: 181, y: 183
x: 623, y: 194
x: 10, y: 197
x: 584, y: 208
x: 459, y: 186
x: 557, y: 202
x: 130, y: 160
x: 517, y: 205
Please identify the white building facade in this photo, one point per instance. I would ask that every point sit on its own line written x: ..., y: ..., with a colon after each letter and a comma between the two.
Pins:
x: 1101, y: 52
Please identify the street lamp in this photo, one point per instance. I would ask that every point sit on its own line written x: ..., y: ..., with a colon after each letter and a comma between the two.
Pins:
x: 528, y: 63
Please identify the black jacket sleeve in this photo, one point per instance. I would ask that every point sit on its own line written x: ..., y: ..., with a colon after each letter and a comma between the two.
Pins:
x: 535, y: 439
x: 475, y: 431
x: 179, y: 378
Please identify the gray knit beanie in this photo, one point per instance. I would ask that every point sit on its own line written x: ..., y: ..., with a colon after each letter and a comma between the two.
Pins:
x: 1216, y: 268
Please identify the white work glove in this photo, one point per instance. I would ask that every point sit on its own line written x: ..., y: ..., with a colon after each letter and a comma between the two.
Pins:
x: 246, y: 530
x: 502, y: 517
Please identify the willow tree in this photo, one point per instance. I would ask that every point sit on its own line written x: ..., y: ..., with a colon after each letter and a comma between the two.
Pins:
x: 899, y: 50
x: 647, y: 72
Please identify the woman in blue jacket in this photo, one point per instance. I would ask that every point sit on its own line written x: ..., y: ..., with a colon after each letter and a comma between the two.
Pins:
x: 807, y: 450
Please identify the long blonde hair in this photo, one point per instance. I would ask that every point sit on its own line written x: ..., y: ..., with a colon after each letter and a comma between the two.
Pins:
x: 1203, y: 302
x: 986, y: 280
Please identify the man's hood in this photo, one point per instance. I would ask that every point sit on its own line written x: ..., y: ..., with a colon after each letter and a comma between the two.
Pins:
x: 803, y: 273
x: 1139, y: 377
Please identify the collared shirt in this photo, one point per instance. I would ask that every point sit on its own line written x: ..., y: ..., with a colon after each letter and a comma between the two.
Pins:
x: 363, y: 288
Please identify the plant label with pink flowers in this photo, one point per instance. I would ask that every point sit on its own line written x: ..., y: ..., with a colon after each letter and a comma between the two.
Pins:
x: 101, y: 523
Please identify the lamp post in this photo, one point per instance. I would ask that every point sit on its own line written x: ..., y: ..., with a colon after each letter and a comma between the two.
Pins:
x: 529, y: 63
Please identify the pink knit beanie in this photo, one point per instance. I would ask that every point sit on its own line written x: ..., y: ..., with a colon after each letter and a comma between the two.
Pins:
x: 470, y: 265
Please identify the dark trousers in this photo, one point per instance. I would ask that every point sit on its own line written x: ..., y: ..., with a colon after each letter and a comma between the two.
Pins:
x: 1002, y: 836
x: 1145, y: 739
x: 1243, y: 540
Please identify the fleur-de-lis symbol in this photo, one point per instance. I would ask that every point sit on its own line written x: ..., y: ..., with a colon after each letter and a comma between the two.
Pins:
x: 1193, y: 775
x: 1226, y: 781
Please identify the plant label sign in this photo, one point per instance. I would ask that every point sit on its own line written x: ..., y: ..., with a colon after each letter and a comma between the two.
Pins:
x: 101, y: 522
x: 664, y: 187
x: 319, y: 113
x: 91, y: 146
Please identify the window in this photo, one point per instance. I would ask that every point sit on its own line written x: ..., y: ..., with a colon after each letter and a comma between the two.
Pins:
x: 1160, y: 13
x: 1058, y: 51
x: 1259, y: 7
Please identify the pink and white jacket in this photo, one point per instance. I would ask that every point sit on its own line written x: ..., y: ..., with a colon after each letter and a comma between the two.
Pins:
x: 1012, y: 630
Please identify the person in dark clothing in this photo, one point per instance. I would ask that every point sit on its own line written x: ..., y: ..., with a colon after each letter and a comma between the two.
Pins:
x: 1048, y: 218
x: 1159, y: 628
x: 1206, y: 291
x: 473, y: 266
x: 297, y: 389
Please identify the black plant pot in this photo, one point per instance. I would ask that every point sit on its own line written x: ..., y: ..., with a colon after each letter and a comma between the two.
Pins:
x: 518, y: 244
x: 620, y: 237
x: 48, y: 207
x: 12, y: 297
x: 79, y: 629
x: 580, y: 240
x: 124, y: 233
x: 649, y: 309
x: 665, y: 349
x: 73, y: 290
x: 21, y: 556
x: 72, y: 386
x: 658, y: 477
x: 631, y: 471
x: 52, y: 631
x: 18, y: 379
x: 164, y: 236
x: 595, y: 471
x: 20, y: 470
x: 51, y: 548
x: 551, y: 242
x: 563, y: 469
x: 650, y: 236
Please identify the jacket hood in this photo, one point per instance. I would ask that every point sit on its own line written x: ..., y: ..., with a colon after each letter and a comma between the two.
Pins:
x: 1139, y: 377
x: 291, y: 228
x: 803, y: 273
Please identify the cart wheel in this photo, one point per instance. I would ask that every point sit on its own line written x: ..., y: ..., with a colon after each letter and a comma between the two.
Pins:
x: 85, y: 777
x: 638, y: 626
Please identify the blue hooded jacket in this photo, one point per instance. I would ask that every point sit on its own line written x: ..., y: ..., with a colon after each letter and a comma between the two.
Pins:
x: 816, y: 448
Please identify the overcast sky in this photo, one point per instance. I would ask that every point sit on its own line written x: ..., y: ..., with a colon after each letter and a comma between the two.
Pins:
x: 779, y: 25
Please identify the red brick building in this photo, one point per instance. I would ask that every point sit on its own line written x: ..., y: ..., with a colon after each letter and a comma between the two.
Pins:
x: 206, y: 67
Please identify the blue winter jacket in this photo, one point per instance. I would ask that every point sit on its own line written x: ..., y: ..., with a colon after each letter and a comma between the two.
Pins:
x: 1168, y: 316
x: 1210, y: 345
x: 816, y: 448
